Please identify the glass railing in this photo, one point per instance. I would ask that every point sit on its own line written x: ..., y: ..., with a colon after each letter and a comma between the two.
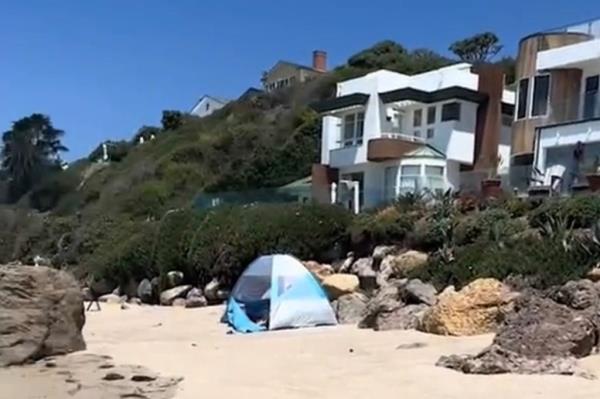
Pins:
x: 403, y: 136
x: 589, y: 27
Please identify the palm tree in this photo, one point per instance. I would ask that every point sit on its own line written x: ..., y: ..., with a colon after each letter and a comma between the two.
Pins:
x: 30, y: 150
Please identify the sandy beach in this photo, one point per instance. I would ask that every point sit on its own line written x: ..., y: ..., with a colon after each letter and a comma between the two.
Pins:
x: 337, y: 362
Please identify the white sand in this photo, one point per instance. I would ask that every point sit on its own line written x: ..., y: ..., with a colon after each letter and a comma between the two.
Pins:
x: 309, y: 363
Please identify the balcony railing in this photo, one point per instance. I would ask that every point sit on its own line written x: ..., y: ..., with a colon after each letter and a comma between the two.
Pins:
x: 403, y: 136
x: 589, y: 27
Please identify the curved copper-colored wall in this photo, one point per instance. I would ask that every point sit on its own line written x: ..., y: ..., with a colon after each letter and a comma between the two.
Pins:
x: 384, y: 149
x: 564, y: 90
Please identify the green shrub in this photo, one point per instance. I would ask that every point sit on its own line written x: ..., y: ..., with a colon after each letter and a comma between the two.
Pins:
x: 388, y: 226
x: 231, y: 237
x: 544, y: 262
x: 147, y: 200
x: 483, y: 224
x: 51, y: 190
x: 579, y: 212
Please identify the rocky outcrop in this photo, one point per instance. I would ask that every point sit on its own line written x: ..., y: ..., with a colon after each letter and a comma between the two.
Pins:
x: 174, y: 278
x: 169, y: 296
x: 476, y: 309
x: 350, y: 308
x: 401, y: 318
x: 41, y: 314
x: 538, y: 336
x: 416, y: 291
x: 145, y: 291
x: 320, y: 271
x: 579, y: 295
x: 196, y: 302
x: 381, y: 251
x: 340, y: 284
x: 367, y: 276
x: 594, y: 274
x: 211, y: 290
x: 402, y: 264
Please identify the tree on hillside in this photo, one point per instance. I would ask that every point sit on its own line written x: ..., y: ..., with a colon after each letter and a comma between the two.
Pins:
x: 146, y: 132
x: 508, y: 65
x: 171, y: 120
x: 476, y: 49
x: 31, y: 149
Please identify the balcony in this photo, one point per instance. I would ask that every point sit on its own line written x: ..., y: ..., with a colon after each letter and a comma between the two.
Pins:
x: 392, y: 146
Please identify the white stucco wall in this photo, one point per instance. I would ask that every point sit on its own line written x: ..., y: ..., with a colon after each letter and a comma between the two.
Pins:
x: 201, y: 110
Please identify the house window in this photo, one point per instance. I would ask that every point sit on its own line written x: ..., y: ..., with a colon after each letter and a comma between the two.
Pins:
x: 434, y: 178
x: 354, y: 126
x: 451, y: 112
x: 431, y: 115
x: 523, y: 97
x: 590, y: 100
x: 417, y: 133
x: 430, y: 133
x: 417, y: 117
x: 390, y: 183
x: 207, y: 106
x: 410, y: 179
x: 434, y: 170
x: 541, y: 90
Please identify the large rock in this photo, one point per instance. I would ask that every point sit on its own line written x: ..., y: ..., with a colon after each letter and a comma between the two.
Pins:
x: 195, y: 293
x: 538, y: 336
x: 345, y: 265
x: 476, y: 309
x: 386, y: 300
x: 320, y: 271
x: 145, y: 291
x: 367, y: 276
x: 402, y: 264
x: 417, y: 292
x: 174, y: 278
x: 340, y: 284
x: 168, y: 297
x: 594, y: 274
x: 350, y: 308
x: 101, y: 287
x: 578, y: 295
x: 41, y: 314
x: 211, y: 290
x: 381, y: 251
x: 401, y: 318
x: 195, y: 302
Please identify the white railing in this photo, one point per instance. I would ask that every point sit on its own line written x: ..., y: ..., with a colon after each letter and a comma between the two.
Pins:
x: 402, y: 136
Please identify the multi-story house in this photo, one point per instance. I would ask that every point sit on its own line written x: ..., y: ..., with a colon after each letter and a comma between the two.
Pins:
x: 387, y: 133
x: 206, y: 105
x: 557, y: 118
x: 284, y: 73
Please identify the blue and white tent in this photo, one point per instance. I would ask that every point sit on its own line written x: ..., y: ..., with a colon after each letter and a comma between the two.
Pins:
x: 276, y: 292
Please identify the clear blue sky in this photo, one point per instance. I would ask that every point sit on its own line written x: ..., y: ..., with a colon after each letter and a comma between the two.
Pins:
x: 103, y: 68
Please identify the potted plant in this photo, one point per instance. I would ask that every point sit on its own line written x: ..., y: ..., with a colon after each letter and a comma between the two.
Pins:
x: 490, y: 186
x: 593, y: 175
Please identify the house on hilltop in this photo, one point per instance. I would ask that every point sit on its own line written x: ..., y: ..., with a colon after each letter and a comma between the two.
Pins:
x: 207, y: 104
x: 284, y: 74
x: 387, y: 134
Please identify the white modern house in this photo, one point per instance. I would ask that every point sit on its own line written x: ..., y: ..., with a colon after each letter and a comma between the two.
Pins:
x: 387, y: 133
x: 559, y: 104
x: 206, y: 105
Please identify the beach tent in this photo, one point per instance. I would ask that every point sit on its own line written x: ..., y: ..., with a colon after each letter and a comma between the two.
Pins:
x: 275, y: 292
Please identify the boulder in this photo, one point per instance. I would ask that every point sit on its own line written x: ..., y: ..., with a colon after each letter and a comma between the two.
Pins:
x: 417, y: 292
x: 350, y: 308
x: 476, y: 309
x: 381, y: 251
x: 145, y: 291
x: 579, y: 295
x: 594, y: 274
x: 538, y: 336
x: 179, y: 302
x: 340, y: 284
x: 195, y: 293
x: 223, y: 294
x: 320, y: 271
x: 367, y: 276
x: 101, y: 287
x: 41, y: 314
x: 386, y: 300
x: 401, y: 318
x: 211, y: 289
x: 134, y: 301
x: 196, y: 302
x: 168, y: 297
x: 129, y: 289
x: 174, y: 278
x: 400, y: 265
x: 112, y: 299
x: 345, y: 266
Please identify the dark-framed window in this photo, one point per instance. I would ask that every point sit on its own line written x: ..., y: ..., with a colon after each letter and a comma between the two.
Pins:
x: 417, y: 117
x: 590, y: 100
x: 431, y: 111
x: 451, y: 112
x: 523, y: 98
x: 541, y: 94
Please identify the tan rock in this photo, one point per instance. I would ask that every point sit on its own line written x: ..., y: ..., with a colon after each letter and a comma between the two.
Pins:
x: 594, y: 274
x: 476, y: 309
x: 320, y: 271
x: 340, y: 284
x: 401, y: 265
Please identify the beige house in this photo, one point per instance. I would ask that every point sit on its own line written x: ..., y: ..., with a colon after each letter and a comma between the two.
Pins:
x: 284, y: 74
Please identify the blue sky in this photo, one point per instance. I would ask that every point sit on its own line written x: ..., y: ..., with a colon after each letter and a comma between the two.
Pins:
x: 103, y: 68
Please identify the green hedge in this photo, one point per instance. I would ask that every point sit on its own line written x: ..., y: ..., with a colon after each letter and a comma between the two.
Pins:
x: 579, y: 211
x: 231, y: 237
x: 388, y: 226
x: 491, y: 223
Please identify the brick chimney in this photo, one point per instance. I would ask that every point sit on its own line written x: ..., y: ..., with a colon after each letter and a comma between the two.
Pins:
x: 320, y: 60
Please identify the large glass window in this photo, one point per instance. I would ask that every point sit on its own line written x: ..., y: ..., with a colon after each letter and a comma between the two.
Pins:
x: 590, y: 101
x: 353, y: 129
x: 523, y: 98
x: 541, y: 91
x: 431, y: 111
x: 390, y: 183
x: 417, y: 117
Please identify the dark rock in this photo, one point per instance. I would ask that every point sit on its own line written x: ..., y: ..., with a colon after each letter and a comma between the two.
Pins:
x: 194, y: 293
x: 142, y: 378
x: 174, y: 278
x: 387, y: 299
x: 113, y: 377
x: 413, y: 345
x: 401, y: 318
x: 169, y: 296
x: 211, y: 289
x: 101, y: 287
x: 367, y: 277
x: 578, y: 295
x: 41, y: 314
x: 145, y: 291
x: 196, y: 302
x: 416, y: 291
x: 350, y: 308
